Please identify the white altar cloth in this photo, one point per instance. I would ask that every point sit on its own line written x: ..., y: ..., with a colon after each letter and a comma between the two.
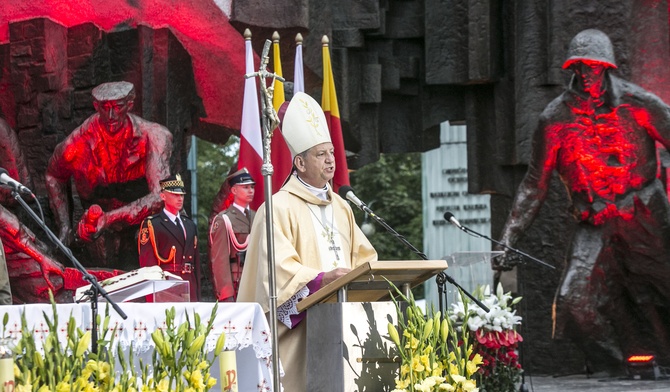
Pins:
x: 244, y: 324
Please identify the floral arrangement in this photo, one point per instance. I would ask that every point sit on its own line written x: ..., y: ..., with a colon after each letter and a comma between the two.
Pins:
x: 179, y: 362
x: 496, y: 338
x: 433, y: 356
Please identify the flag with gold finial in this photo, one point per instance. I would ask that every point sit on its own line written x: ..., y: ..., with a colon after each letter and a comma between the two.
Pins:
x: 280, y: 155
x: 251, y: 139
x: 332, y: 112
x: 298, y: 73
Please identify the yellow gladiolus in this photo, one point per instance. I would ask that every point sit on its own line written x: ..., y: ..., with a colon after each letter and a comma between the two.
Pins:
x: 427, y: 329
x: 425, y: 361
x: 471, y: 368
x: 477, y: 359
x: 401, y: 384
x: 393, y: 333
x: 196, y: 345
x: 211, y: 382
x: 220, y: 342
x: 104, y: 371
x: 469, y: 386
x: 83, y: 344
x: 163, y: 386
x: 63, y: 387
x: 445, y: 331
x: 417, y: 366
x: 196, y: 380
x: 413, y: 343
x: 404, y: 369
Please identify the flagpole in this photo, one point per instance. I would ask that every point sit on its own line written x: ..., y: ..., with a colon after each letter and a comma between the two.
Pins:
x: 269, y: 120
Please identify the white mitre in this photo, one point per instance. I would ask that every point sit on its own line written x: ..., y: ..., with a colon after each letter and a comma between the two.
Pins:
x: 304, y: 124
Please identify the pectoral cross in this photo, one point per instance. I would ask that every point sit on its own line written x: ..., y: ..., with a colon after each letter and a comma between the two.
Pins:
x: 336, y: 249
x: 330, y: 235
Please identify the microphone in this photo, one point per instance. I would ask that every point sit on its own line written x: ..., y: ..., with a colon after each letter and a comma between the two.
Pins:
x: 5, y: 179
x: 347, y: 192
x: 452, y: 219
x: 449, y: 217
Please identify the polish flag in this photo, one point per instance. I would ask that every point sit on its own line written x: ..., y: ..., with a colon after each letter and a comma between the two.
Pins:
x: 332, y: 112
x: 251, y: 143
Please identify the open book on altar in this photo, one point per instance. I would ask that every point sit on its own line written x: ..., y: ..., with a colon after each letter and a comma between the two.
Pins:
x: 368, y: 281
x: 140, y: 283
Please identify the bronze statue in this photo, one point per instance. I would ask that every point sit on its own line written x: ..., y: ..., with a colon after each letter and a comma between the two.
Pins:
x: 116, y: 160
x: 600, y: 137
x: 31, y: 270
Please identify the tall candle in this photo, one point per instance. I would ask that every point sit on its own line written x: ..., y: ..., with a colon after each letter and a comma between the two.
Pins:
x: 228, y: 367
x: 6, y: 367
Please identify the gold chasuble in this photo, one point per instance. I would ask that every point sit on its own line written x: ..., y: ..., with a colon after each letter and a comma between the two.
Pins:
x: 298, y: 261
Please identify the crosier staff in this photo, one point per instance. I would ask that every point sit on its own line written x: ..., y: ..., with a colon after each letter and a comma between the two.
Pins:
x: 269, y: 120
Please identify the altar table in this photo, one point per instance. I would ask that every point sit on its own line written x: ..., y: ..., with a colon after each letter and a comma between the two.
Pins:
x: 244, y: 324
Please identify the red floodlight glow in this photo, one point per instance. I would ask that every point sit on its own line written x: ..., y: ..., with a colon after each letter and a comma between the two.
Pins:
x: 640, y: 358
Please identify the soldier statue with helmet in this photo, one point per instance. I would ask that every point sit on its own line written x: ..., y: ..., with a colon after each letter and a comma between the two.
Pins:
x: 600, y: 137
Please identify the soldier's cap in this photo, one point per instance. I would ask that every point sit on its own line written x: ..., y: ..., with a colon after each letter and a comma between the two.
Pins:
x: 240, y: 177
x: 173, y: 184
x: 113, y: 91
x: 304, y: 124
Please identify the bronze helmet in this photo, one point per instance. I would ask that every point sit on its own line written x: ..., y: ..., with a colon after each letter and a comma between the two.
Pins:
x: 593, y: 45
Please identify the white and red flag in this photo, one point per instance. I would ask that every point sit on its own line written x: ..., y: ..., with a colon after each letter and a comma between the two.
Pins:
x: 251, y: 140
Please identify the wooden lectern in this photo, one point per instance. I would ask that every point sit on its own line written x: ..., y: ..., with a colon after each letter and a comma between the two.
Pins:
x: 347, y: 321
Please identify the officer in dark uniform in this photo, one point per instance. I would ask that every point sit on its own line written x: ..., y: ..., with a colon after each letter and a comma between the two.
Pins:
x: 169, y: 239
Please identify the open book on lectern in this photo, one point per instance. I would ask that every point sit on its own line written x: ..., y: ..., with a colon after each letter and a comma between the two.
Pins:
x: 368, y: 281
x: 135, y: 284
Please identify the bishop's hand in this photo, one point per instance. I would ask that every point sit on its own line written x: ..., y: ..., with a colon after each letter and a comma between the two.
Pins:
x: 332, y: 275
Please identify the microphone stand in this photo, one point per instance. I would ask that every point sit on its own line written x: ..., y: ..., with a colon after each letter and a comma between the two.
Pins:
x: 441, y: 277
x: 475, y: 234
x: 522, y: 387
x: 95, y: 289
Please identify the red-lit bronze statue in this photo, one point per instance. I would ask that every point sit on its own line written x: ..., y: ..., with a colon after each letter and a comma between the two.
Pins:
x: 116, y: 160
x: 600, y: 137
x: 31, y: 270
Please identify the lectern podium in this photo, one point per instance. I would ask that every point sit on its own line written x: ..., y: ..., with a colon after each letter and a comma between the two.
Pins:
x: 346, y: 322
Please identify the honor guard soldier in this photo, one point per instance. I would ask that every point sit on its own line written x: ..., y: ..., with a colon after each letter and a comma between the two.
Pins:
x: 169, y: 239
x: 228, y: 237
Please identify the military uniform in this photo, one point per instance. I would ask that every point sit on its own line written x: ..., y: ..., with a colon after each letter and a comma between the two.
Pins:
x: 174, y: 248
x: 227, y: 260
x: 228, y: 234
